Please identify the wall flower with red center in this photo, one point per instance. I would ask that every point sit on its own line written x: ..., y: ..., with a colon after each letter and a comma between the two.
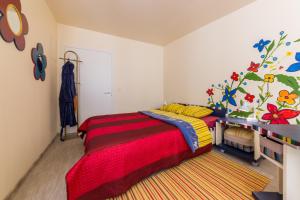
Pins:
x: 269, y: 78
x: 249, y: 98
x: 277, y: 116
x: 235, y: 76
x: 210, y: 92
x: 10, y: 29
x: 286, y: 97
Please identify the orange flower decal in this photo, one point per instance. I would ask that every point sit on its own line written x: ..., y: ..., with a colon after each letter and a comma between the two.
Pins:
x: 286, y: 97
x: 8, y: 32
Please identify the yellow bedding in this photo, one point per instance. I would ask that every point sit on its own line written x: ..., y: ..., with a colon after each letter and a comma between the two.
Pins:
x: 202, y: 130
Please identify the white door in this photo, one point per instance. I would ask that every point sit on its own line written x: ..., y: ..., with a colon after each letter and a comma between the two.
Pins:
x: 95, y: 97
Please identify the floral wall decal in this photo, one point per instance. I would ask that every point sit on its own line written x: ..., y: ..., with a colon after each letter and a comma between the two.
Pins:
x: 40, y: 62
x: 270, y: 86
x: 13, y: 28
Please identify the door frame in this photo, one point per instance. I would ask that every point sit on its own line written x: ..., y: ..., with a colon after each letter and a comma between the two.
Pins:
x: 68, y: 47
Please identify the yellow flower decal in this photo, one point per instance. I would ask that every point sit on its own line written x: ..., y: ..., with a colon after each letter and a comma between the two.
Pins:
x: 269, y: 78
x: 289, y: 53
x: 286, y: 97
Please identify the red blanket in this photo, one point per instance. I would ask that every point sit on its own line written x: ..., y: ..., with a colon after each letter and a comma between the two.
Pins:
x: 121, y: 150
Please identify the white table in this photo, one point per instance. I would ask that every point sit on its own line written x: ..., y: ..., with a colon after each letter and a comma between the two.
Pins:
x: 289, y: 137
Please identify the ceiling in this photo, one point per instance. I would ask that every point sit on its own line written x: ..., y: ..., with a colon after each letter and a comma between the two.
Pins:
x: 153, y: 21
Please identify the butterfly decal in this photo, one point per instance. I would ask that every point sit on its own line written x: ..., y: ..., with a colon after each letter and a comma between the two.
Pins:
x: 296, y: 66
x: 261, y: 45
x: 40, y: 62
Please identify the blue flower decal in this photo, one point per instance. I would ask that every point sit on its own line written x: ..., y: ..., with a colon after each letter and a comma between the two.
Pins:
x: 40, y: 62
x: 229, y: 96
x: 261, y: 45
x: 296, y: 66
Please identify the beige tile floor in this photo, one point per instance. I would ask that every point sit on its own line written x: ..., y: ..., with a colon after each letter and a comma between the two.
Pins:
x: 46, y: 180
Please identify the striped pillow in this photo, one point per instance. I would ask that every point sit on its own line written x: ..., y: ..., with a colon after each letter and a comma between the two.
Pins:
x: 196, y: 111
x: 174, y: 108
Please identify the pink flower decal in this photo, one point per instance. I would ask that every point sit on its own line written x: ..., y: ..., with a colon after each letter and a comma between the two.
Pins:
x: 277, y: 116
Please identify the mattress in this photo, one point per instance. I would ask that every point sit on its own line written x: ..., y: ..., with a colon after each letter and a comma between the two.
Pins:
x: 121, y: 150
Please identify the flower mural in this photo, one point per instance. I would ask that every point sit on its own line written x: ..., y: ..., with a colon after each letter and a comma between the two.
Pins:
x: 286, y: 97
x: 269, y: 78
x: 229, y: 96
x: 210, y: 92
x: 235, y: 76
x: 253, y: 67
x: 249, y: 98
x: 261, y: 45
x: 269, y: 85
x: 276, y: 116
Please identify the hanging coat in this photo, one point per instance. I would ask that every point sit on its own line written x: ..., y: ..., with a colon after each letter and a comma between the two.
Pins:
x: 66, y: 96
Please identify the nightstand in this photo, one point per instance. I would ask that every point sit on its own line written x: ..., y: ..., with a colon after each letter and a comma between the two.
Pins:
x: 224, y: 123
x: 286, y: 138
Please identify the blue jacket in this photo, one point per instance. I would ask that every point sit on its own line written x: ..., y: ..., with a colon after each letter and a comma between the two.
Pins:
x: 66, y: 96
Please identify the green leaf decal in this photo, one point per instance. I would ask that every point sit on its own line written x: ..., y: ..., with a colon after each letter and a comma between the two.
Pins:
x: 271, y: 46
x: 240, y: 114
x: 288, y: 81
x: 260, y: 109
x: 278, y: 104
x: 269, y: 62
x: 261, y: 97
x: 252, y: 76
x: 241, y: 102
x: 297, y: 40
x: 222, y: 105
x: 260, y: 88
x: 298, y: 121
x: 284, y: 37
x: 242, y: 90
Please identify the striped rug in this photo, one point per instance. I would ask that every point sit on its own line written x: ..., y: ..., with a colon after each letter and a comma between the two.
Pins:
x: 209, y: 176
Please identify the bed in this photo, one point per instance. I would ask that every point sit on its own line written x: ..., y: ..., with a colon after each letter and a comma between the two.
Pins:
x: 122, y: 149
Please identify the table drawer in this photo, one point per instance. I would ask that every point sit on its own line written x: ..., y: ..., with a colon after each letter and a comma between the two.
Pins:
x: 271, y: 148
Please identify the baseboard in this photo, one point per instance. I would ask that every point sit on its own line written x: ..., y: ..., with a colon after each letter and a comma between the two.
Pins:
x: 30, y: 169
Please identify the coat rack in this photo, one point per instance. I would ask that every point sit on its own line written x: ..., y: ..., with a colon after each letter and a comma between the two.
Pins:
x: 77, y: 83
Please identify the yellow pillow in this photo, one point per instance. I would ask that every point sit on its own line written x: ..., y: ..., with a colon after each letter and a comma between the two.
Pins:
x: 196, y: 111
x: 163, y: 107
x: 174, y: 108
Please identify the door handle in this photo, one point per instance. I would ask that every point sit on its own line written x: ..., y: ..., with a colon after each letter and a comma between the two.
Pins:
x: 107, y: 93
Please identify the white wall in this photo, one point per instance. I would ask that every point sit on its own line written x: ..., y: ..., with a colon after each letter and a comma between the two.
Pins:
x: 137, y: 67
x: 210, y: 54
x: 28, y: 107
